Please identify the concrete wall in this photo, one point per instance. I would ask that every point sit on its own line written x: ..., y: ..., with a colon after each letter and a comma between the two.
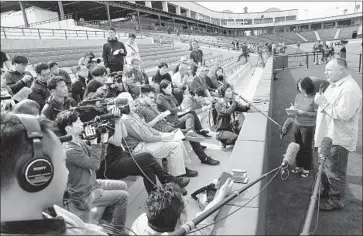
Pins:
x: 7, y: 44
x: 251, y: 154
x: 33, y: 14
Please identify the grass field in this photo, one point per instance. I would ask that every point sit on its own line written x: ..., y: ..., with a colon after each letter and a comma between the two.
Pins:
x: 288, y: 200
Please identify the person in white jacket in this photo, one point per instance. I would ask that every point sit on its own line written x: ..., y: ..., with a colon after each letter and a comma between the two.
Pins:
x: 132, y: 49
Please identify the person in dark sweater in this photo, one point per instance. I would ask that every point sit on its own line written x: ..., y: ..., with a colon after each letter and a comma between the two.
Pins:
x: 79, y: 86
x: 59, y: 100
x: 17, y: 78
x: 196, y: 54
x: 114, y: 52
x: 98, y: 80
x: 162, y: 74
x: 55, y: 71
x: 40, y: 92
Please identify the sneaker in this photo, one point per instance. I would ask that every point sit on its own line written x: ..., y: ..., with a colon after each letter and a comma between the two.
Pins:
x: 329, y: 206
x: 210, y: 161
x: 206, y: 136
x: 191, y: 135
x: 190, y: 173
x: 182, y: 182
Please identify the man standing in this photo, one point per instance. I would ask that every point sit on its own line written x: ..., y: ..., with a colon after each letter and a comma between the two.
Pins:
x: 114, y: 52
x: 133, y: 51
x: 196, y: 54
x: 337, y: 118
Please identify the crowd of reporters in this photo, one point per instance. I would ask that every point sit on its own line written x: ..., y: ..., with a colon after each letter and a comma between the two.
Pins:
x: 144, y: 136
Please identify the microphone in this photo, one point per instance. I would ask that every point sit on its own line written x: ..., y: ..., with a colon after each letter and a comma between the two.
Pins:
x: 325, y: 148
x: 323, y: 154
x: 286, y: 127
x: 106, y: 117
x: 290, y: 154
x: 65, y: 138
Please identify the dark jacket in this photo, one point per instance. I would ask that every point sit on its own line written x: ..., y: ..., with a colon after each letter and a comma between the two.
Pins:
x: 226, y: 112
x: 158, y: 77
x: 40, y: 92
x: 109, y: 48
x: 92, y: 87
x: 168, y: 102
x: 13, y: 80
x: 78, y: 89
x: 52, y: 107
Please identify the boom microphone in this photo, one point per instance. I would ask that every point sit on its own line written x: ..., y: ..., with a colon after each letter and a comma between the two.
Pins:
x: 261, y: 112
x: 323, y: 154
x: 65, y: 138
x: 186, y: 228
x: 290, y: 154
x: 286, y: 127
x: 106, y: 117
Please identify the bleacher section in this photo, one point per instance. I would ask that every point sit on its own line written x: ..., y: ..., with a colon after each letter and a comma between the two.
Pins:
x: 277, y: 38
x: 327, y: 34
x: 309, y: 35
x: 346, y: 33
x: 291, y: 36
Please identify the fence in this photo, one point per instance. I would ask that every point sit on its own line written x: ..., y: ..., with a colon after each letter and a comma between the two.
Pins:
x: 32, y: 33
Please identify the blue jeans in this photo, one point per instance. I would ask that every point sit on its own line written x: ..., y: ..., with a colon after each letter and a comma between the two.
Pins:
x: 304, y: 137
x: 334, y: 174
x: 113, y: 196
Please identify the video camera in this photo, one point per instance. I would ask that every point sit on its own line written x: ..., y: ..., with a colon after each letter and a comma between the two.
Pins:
x: 102, y: 125
x: 116, y: 77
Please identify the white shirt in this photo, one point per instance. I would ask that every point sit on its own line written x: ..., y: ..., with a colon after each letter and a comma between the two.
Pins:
x: 132, y: 48
x: 177, y: 79
x: 338, y: 118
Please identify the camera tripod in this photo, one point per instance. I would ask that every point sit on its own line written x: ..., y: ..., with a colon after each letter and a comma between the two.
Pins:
x: 298, y: 57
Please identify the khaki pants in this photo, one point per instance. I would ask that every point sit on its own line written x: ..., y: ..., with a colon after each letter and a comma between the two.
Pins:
x: 174, y: 151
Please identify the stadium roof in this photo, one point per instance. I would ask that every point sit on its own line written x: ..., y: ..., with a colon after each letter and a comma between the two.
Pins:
x: 273, y: 9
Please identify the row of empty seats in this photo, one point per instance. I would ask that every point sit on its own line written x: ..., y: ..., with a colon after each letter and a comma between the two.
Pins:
x: 327, y: 34
x: 292, y: 36
x: 347, y: 32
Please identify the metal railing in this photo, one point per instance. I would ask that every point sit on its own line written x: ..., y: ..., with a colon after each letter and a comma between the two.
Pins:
x: 37, y: 33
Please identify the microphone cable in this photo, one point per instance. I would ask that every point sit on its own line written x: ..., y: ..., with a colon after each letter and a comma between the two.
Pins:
x: 239, y: 208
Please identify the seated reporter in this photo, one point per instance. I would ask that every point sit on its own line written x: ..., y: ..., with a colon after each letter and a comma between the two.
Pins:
x: 82, y: 162
x: 147, y: 110
x: 165, y: 211
x: 188, y: 122
x: 197, y: 102
x: 142, y: 139
x: 59, y: 100
x: 79, y: 86
x: 56, y: 71
x: 99, y: 74
x: 40, y: 93
x: 163, y: 74
x: 31, y: 212
x: 119, y: 163
x: 230, y: 116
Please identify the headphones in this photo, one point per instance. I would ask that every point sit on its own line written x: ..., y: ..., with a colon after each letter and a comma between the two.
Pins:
x: 35, y: 173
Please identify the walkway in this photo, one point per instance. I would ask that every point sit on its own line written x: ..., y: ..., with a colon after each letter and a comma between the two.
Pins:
x: 288, y: 200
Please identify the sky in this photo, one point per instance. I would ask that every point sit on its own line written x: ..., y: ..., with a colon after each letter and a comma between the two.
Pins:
x: 307, y: 10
